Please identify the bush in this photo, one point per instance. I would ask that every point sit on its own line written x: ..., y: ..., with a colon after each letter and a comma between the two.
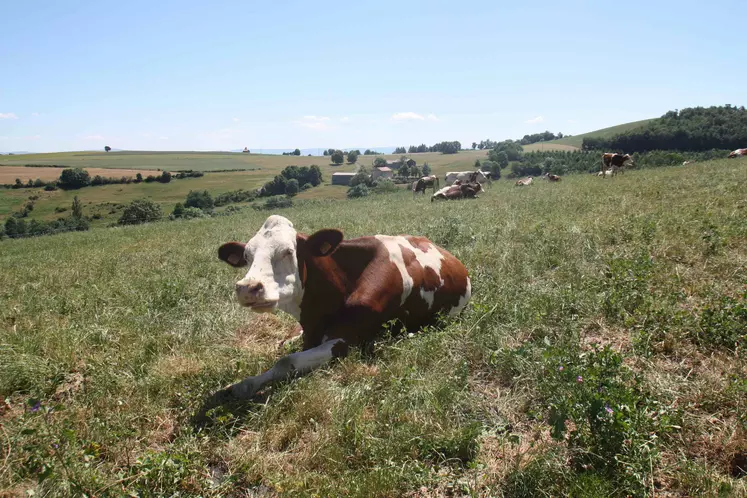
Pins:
x: 307, y: 186
x: 49, y: 187
x: 275, y: 203
x: 74, y: 178
x: 202, y: 200
x: 353, y: 156
x: 234, y: 196
x: 140, y: 211
x: 165, y: 177
x: 384, y: 185
x: 192, y: 212
x: 292, y: 188
x: 177, y: 212
x: 360, y: 190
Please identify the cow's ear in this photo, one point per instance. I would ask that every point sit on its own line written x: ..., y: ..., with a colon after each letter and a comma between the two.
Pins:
x: 233, y: 253
x: 324, y: 242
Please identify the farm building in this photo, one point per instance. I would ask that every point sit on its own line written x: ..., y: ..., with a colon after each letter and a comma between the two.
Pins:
x: 382, y: 172
x: 342, y: 178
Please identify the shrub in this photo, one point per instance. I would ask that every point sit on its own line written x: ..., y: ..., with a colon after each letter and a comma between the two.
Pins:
x: 275, y: 203
x: 360, y: 190
x: 77, y: 209
x: 74, y: 178
x: 384, y: 185
x: 165, y: 177
x: 192, y: 212
x: 292, y: 188
x: 307, y: 186
x: 199, y: 199
x: 140, y: 211
x: 49, y: 187
x: 177, y: 212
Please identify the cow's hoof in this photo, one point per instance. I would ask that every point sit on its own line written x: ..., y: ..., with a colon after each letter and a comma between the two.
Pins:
x: 245, y: 389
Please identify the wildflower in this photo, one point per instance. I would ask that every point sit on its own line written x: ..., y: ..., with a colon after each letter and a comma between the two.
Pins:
x: 560, y: 368
x: 579, y: 379
x: 608, y: 409
x: 36, y: 406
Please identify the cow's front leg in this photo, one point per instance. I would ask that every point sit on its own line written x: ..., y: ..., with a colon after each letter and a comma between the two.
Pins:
x: 288, y: 366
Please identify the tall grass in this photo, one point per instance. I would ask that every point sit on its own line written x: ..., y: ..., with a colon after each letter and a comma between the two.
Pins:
x: 602, y: 354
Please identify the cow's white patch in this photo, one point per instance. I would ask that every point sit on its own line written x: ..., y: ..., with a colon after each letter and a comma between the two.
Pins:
x: 271, y: 256
x: 463, y: 300
x: 428, y: 296
x: 431, y: 258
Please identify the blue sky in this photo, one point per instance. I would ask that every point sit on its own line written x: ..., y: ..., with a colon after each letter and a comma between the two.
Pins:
x: 190, y: 75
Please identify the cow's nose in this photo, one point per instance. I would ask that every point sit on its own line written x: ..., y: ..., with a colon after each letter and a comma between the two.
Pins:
x: 252, y: 288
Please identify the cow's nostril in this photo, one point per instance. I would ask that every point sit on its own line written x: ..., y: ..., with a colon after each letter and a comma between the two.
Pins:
x: 249, y: 288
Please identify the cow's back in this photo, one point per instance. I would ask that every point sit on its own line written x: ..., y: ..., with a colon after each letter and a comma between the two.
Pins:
x: 402, y: 278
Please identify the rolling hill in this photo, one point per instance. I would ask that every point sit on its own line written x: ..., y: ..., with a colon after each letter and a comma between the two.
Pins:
x: 577, y: 140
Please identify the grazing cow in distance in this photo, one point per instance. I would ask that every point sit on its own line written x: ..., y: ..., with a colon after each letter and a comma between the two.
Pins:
x: 476, y: 176
x: 524, y: 182
x: 616, y: 162
x: 341, y: 292
x: 738, y: 153
x: 685, y: 163
x: 552, y: 178
x: 423, y: 183
x: 458, y: 191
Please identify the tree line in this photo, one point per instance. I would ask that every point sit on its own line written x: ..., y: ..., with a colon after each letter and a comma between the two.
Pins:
x: 76, y: 178
x: 444, y: 147
x: 690, y: 129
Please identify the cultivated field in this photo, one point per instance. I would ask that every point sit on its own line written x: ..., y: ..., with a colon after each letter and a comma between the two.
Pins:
x: 602, y: 354
x: 548, y: 146
x: 98, y: 200
x: 211, y: 161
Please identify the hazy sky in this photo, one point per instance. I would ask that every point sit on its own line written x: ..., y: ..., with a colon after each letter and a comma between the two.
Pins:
x: 223, y: 75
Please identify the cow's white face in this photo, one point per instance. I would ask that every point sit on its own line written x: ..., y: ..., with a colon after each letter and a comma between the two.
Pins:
x: 272, y: 280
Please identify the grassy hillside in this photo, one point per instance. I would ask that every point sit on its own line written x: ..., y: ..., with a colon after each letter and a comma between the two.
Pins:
x: 601, y: 354
x: 264, y: 168
x: 577, y: 140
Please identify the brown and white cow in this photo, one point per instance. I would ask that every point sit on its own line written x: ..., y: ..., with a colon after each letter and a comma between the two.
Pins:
x: 341, y: 291
x: 476, y: 176
x: 552, y: 178
x: 423, y: 183
x: 524, y: 182
x: 458, y: 191
x: 738, y: 153
x: 615, y: 162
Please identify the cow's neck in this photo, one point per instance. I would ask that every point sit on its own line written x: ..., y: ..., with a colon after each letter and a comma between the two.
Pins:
x: 293, y: 307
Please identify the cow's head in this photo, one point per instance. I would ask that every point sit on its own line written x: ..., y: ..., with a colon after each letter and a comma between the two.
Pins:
x: 274, y: 256
x: 628, y: 161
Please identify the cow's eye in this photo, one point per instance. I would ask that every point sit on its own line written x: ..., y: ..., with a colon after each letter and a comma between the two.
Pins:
x: 287, y: 253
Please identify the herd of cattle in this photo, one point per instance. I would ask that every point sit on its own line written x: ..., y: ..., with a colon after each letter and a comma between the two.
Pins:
x: 342, y: 292
x: 467, y: 184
